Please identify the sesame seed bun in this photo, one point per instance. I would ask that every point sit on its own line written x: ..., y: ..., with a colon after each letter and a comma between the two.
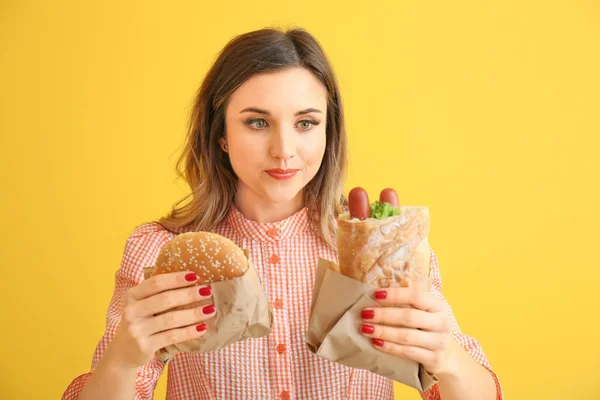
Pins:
x: 213, y: 257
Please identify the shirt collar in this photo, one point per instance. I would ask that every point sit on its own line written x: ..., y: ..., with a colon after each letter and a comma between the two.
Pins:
x: 268, y: 231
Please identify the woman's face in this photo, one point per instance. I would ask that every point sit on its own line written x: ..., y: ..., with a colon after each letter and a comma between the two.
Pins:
x: 275, y: 135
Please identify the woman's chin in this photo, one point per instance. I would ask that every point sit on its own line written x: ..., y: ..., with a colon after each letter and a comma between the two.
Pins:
x: 283, y: 196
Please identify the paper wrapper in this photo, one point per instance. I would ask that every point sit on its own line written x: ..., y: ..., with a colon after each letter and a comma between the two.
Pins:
x: 243, y: 311
x: 334, y: 328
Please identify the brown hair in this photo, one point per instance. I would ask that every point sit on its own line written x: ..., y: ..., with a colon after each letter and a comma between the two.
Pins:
x: 207, y: 168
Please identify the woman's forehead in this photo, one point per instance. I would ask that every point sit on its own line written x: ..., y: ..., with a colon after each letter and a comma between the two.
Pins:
x: 281, y: 92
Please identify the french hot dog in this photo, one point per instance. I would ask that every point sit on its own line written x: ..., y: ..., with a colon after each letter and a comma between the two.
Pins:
x: 385, y: 246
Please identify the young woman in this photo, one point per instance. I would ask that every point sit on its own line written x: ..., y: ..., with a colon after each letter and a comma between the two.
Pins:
x: 266, y: 161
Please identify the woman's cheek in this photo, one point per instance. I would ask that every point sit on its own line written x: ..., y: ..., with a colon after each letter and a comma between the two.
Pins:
x: 315, y: 150
x: 245, y: 152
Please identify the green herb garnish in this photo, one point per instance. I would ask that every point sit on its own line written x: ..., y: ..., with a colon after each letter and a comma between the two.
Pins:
x: 383, y: 210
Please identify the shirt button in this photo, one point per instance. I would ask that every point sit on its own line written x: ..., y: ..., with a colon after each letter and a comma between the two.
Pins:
x: 272, y: 233
x: 285, y: 395
x: 274, y: 259
x: 280, y: 348
x: 278, y: 304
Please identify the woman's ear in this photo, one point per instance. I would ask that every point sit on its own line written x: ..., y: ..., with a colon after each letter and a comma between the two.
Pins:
x: 223, y: 143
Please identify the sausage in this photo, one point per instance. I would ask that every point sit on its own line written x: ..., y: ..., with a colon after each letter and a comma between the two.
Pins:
x: 389, y: 195
x: 358, y: 202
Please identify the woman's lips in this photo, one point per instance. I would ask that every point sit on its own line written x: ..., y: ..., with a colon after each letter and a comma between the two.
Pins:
x: 281, y: 174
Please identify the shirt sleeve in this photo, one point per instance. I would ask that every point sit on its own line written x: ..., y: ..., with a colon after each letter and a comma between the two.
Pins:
x: 141, y: 250
x: 469, y: 343
x: 383, y: 388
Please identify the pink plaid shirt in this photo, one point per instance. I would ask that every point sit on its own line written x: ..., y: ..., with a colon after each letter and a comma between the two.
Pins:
x: 277, y: 366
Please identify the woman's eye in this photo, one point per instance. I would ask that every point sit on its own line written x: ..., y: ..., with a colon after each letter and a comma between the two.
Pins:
x: 253, y: 123
x: 308, y: 123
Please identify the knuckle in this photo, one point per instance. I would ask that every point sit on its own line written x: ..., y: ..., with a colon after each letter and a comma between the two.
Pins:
x: 404, y: 336
x: 392, y: 295
x: 169, y: 298
x: 154, y: 284
x: 169, y: 319
x: 444, y: 341
x: 172, y: 336
x: 128, y: 313
x: 436, y: 358
x: 410, y: 352
x: 145, y: 346
x: 133, y: 330
x: 381, y: 314
x: 418, y: 297
x: 130, y: 294
x: 446, y: 324
x: 401, y: 350
x: 408, y: 316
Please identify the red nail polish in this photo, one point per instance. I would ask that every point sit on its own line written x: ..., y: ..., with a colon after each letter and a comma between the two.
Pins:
x: 191, y: 277
x: 367, y: 314
x: 378, y: 342
x: 370, y: 329
x: 201, y: 328
x: 381, y: 295
x: 208, y: 309
x: 205, y: 291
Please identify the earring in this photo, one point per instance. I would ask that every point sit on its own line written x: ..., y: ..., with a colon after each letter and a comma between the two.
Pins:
x: 225, y: 147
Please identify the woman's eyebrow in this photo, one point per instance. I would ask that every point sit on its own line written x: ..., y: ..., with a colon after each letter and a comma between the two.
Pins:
x: 261, y: 111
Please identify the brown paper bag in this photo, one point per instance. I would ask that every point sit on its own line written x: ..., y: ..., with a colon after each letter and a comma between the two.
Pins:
x: 333, y: 329
x: 243, y: 311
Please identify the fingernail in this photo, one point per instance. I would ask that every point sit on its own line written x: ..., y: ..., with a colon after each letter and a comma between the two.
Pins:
x: 201, y: 328
x: 367, y: 314
x: 191, y: 277
x: 380, y: 295
x: 208, y: 309
x: 205, y: 291
x: 370, y: 329
x: 378, y: 342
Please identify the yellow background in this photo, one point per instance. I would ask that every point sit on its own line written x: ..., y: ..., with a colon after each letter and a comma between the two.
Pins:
x: 487, y: 112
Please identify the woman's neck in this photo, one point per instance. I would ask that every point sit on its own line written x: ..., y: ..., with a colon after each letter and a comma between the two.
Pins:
x: 257, y: 209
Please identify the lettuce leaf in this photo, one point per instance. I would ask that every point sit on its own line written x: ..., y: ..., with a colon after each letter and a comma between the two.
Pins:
x: 383, y: 210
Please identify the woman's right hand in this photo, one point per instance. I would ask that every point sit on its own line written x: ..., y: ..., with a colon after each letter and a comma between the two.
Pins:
x: 140, y: 333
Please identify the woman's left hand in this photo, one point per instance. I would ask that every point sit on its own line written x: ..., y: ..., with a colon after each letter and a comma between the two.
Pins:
x: 422, y: 334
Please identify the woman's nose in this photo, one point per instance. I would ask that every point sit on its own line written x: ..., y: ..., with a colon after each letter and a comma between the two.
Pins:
x: 283, y: 145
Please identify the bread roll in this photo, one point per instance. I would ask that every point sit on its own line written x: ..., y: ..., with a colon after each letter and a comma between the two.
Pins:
x: 213, y: 258
x: 390, y: 252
